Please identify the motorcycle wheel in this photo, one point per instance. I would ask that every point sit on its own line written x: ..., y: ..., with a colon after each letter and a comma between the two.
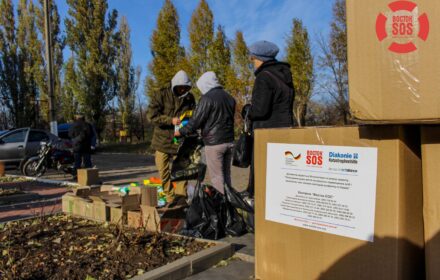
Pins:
x: 30, y: 169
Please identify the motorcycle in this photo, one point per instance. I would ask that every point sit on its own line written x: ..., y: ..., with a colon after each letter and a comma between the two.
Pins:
x: 50, y: 156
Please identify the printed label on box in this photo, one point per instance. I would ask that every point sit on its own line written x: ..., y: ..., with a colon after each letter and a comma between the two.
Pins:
x: 330, y: 189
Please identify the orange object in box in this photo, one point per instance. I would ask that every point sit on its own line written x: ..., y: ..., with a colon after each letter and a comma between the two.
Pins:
x: 154, y: 180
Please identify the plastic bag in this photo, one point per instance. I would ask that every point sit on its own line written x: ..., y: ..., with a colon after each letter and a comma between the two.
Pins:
x: 213, y: 215
x: 204, y: 215
x: 233, y: 221
x: 237, y: 200
x: 242, y: 155
x: 248, y: 220
x: 237, y: 211
x: 188, y: 163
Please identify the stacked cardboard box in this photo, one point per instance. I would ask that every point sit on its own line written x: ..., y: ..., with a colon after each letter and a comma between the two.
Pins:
x: 394, y: 61
x: 392, y: 248
x: 431, y: 198
x: 100, y: 206
x: 104, y: 204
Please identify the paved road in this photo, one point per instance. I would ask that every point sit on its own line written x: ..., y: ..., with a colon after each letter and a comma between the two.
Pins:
x: 127, y: 168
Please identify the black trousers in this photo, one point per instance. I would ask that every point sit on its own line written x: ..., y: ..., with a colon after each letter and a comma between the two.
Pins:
x: 251, y: 184
x: 82, y: 158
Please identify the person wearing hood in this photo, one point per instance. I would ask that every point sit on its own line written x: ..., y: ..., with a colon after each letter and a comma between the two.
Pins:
x: 214, y: 115
x: 272, y: 95
x: 164, y: 110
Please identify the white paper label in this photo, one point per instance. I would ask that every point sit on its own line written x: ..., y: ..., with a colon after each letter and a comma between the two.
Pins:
x: 330, y: 189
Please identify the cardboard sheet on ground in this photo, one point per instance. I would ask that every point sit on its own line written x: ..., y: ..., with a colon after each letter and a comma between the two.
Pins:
x: 330, y: 189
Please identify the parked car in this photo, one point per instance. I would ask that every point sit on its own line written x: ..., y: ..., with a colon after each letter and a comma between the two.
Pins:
x: 63, y: 133
x: 22, y: 143
x: 3, y: 132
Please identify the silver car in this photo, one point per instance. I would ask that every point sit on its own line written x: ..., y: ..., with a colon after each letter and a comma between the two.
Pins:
x: 22, y: 143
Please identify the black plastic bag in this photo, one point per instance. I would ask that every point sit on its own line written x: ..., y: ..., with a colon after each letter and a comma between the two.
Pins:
x: 236, y: 212
x: 188, y: 163
x: 242, y: 156
x: 233, y: 221
x: 236, y: 200
x: 204, y: 215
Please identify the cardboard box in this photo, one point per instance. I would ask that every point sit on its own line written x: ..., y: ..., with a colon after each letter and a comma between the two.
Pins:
x: 110, y: 189
x: 163, y: 220
x: 291, y: 252
x: 101, y: 212
x: 85, y: 191
x: 394, y: 61
x: 134, y: 219
x: 88, y: 177
x: 117, y: 216
x: 83, y: 207
x: 107, y: 188
x: 148, y: 196
x: 77, y: 206
x: 431, y: 199
x: 67, y: 201
x: 120, y: 205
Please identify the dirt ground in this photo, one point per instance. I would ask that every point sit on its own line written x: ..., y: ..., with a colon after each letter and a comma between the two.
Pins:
x: 62, y: 247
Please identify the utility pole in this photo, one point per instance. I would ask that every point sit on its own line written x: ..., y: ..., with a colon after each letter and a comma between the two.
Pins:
x: 49, y: 60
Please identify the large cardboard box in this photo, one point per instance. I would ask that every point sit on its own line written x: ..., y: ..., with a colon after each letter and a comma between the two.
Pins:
x: 396, y: 252
x: 88, y: 177
x: 431, y: 199
x: 394, y: 60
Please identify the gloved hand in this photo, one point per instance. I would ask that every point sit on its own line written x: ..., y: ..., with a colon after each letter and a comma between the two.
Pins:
x: 245, y: 111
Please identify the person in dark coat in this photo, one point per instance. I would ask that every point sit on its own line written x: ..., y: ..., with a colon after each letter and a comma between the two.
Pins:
x: 214, y: 115
x: 164, y: 111
x: 273, y: 93
x: 81, y: 134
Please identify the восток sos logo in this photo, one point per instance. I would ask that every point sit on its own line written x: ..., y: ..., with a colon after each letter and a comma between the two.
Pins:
x: 403, y: 26
x: 314, y: 158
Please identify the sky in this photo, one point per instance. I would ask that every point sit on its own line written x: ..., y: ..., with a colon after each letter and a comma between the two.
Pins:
x: 258, y: 19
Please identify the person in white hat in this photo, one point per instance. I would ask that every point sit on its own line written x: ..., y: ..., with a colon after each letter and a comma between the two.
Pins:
x: 214, y: 115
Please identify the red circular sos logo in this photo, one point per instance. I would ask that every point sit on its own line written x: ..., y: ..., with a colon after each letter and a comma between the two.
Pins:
x: 403, y: 26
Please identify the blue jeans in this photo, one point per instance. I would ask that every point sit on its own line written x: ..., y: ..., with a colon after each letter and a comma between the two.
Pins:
x: 82, y: 158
